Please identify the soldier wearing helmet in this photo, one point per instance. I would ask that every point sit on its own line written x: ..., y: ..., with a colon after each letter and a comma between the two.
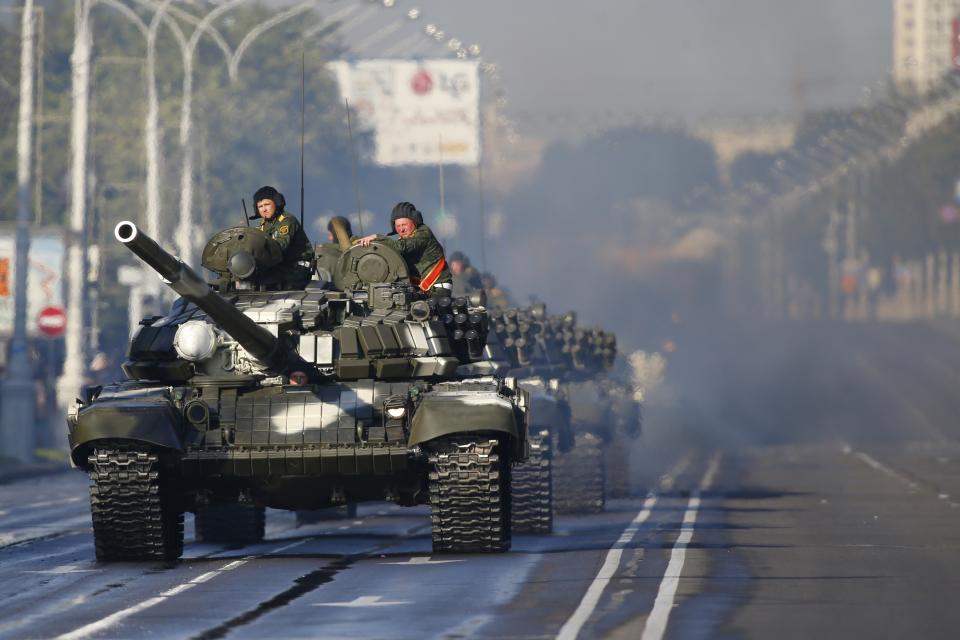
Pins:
x: 466, y: 279
x: 419, y: 247
x: 297, y: 265
x: 331, y: 236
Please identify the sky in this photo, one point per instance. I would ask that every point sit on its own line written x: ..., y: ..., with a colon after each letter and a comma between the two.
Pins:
x: 685, y: 58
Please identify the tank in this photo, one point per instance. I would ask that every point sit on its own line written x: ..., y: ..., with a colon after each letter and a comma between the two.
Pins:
x: 572, y: 365
x: 516, y: 348
x: 248, y: 394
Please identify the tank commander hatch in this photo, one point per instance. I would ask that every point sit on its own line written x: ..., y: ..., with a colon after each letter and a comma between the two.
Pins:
x: 420, y: 249
x: 296, y: 269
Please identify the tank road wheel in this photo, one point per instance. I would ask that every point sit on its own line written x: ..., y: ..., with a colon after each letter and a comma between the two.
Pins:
x: 617, y: 462
x: 470, y: 496
x: 578, y: 477
x: 532, y: 491
x: 136, y: 510
x: 230, y: 523
x: 313, y: 516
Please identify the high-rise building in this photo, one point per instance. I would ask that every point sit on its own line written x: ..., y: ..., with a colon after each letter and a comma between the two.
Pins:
x: 925, y: 42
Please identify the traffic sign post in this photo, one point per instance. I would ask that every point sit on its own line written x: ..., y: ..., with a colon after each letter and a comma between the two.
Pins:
x: 52, y: 321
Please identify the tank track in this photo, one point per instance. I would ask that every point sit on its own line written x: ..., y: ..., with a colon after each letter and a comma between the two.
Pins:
x: 578, y: 477
x: 135, y: 510
x: 469, y: 497
x: 532, y: 488
x: 617, y: 461
x: 230, y: 523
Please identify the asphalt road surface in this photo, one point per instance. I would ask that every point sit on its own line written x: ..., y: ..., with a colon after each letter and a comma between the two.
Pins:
x: 791, y: 483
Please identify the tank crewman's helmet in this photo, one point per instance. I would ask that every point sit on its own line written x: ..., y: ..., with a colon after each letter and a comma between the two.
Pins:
x: 343, y: 221
x: 268, y: 193
x: 404, y: 210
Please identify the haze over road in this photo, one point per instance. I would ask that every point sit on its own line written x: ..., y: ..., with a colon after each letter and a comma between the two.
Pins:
x: 793, y: 481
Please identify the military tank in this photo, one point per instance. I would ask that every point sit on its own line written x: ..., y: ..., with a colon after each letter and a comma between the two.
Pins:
x: 248, y: 394
x: 578, y: 360
x: 582, y: 473
x: 515, y: 348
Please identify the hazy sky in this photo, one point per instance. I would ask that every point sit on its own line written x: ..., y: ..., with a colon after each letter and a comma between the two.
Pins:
x: 683, y: 57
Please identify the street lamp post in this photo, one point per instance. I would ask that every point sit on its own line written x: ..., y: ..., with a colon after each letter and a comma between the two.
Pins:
x: 17, y: 415
x: 72, y: 379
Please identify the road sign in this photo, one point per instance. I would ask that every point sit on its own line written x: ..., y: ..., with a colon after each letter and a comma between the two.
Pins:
x: 52, y: 321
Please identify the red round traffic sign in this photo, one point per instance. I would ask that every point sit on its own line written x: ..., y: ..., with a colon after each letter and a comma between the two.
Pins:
x: 52, y: 321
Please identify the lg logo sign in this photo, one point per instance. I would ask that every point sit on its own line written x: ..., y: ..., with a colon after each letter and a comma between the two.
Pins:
x: 423, y: 82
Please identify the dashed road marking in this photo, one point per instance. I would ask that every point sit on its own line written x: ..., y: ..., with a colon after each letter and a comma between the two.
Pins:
x: 656, y: 624
x: 292, y: 545
x: 420, y: 561
x: 112, y: 619
x: 64, y: 568
x: 885, y: 470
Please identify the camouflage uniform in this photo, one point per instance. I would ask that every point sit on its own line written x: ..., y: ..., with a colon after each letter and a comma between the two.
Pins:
x: 296, y: 268
x: 467, y: 282
x: 422, y: 252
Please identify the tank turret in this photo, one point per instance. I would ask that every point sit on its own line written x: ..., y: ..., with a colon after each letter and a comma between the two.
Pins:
x: 255, y: 339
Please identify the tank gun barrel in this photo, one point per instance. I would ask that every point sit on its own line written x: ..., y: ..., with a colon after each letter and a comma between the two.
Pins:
x: 257, y: 341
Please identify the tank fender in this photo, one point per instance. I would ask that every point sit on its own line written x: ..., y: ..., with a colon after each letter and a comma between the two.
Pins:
x: 450, y: 414
x: 143, y: 416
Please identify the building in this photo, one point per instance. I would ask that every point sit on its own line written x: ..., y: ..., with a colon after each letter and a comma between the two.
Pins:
x: 925, y: 42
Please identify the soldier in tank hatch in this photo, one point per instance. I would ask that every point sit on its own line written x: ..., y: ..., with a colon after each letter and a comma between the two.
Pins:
x: 331, y: 236
x: 297, y: 266
x: 466, y: 279
x: 419, y: 247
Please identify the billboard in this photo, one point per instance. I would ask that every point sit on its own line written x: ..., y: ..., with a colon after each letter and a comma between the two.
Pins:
x: 44, y: 279
x: 419, y: 111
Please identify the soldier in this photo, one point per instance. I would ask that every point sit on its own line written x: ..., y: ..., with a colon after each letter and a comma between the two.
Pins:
x: 496, y: 297
x: 466, y: 279
x: 419, y: 248
x: 331, y: 236
x: 296, y: 268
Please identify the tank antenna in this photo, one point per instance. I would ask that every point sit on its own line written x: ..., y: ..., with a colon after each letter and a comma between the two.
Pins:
x: 246, y: 218
x: 353, y: 156
x: 303, y: 73
x: 483, y: 216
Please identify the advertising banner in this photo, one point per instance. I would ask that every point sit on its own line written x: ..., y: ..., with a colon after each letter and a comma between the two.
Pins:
x: 44, y: 279
x: 420, y: 111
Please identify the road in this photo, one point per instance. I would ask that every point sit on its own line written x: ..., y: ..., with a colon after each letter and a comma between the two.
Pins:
x: 791, y: 483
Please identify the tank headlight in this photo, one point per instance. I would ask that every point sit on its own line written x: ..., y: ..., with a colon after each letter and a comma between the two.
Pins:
x: 195, y: 340
x: 396, y: 412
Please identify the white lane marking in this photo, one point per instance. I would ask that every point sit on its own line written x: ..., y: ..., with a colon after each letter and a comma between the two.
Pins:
x: 656, y: 624
x: 26, y: 534
x: 292, y: 545
x: 64, y: 568
x: 885, y: 470
x: 572, y: 626
x: 670, y: 478
x: 364, y: 601
x: 105, y: 623
x: 47, y: 556
x: 45, y: 503
x: 591, y: 598
x: 420, y: 561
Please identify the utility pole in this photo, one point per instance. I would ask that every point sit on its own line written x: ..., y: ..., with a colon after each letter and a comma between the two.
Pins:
x: 76, y: 275
x: 17, y: 408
